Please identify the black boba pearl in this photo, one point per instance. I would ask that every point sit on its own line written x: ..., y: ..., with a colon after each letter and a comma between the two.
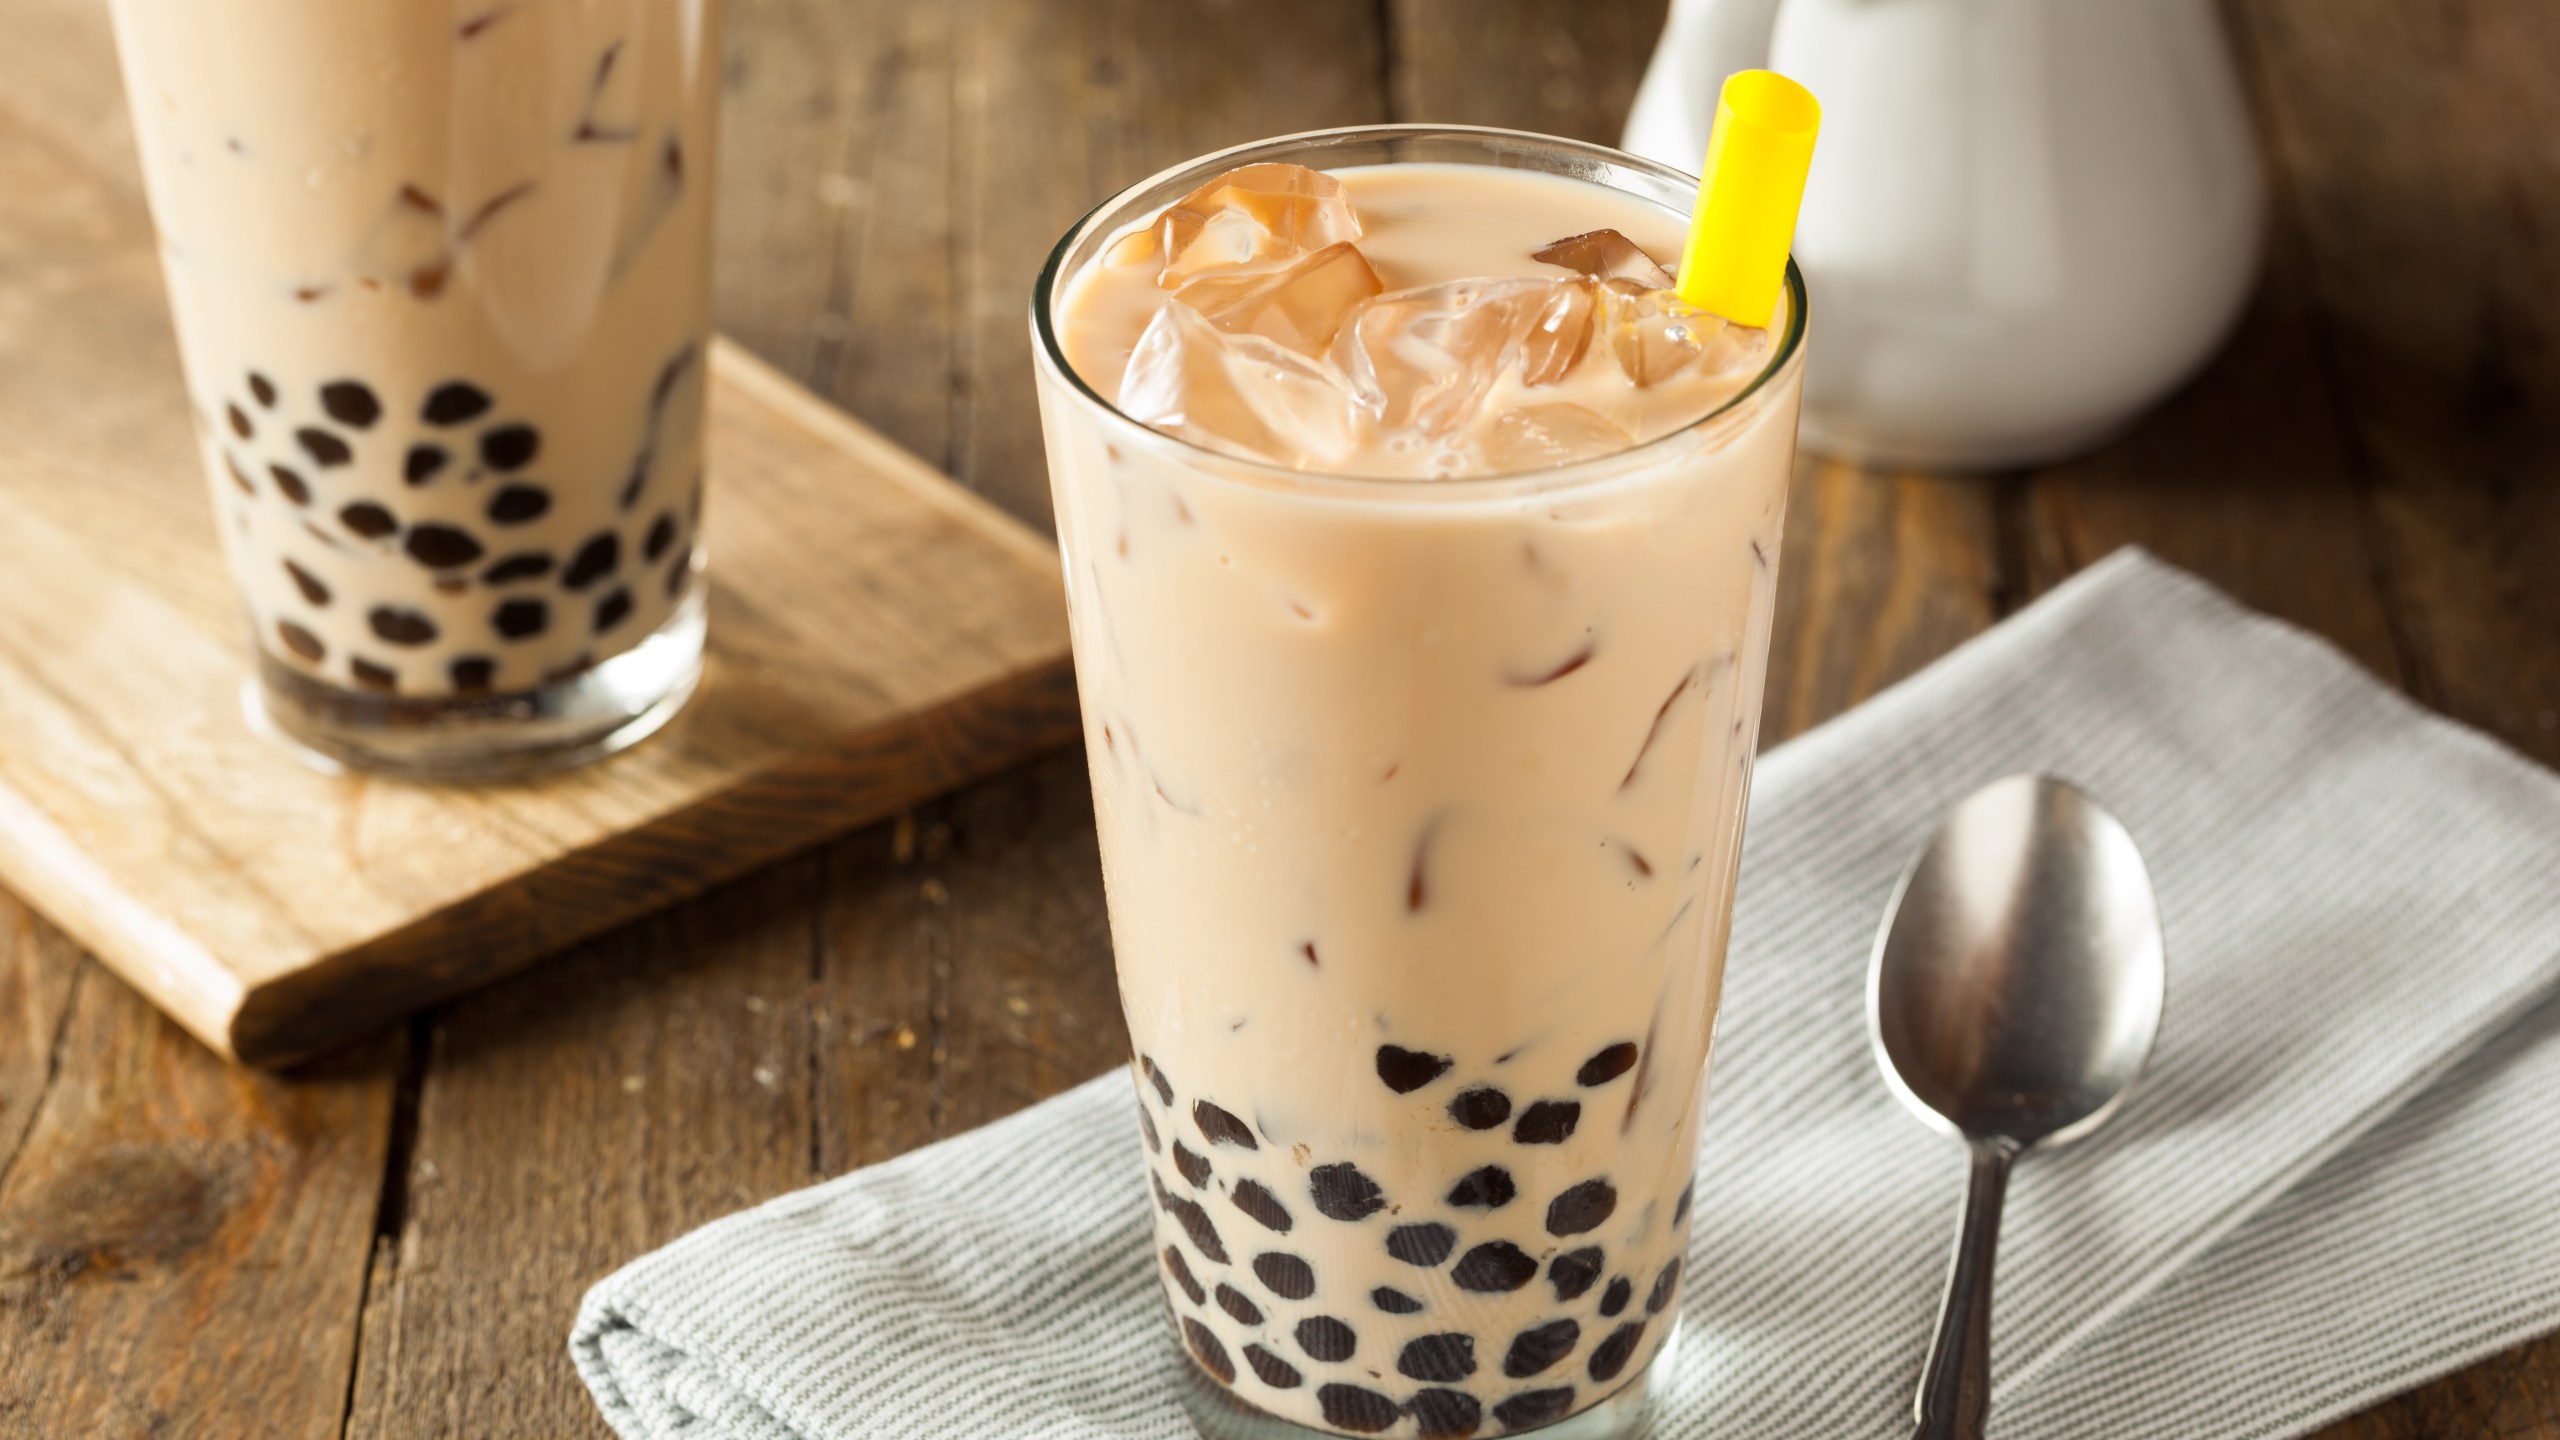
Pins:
x: 368, y: 520
x: 372, y: 676
x: 1540, y: 1346
x: 1285, y: 1275
x: 1406, y: 1071
x: 1481, y: 1108
x: 521, y: 619
x: 1547, y: 1122
x: 472, y: 674
x: 400, y: 627
x: 1362, y: 1412
x: 239, y: 419
x: 662, y: 533
x: 531, y: 565
x: 239, y: 476
x: 516, y: 504
x: 1342, y: 1193
x: 1445, y: 1414
x: 1193, y: 1165
x: 294, y: 487
x: 1147, y: 1128
x: 1615, y: 1298
x: 1180, y: 1270
x: 1608, y: 1065
x: 1262, y: 1205
x: 639, y: 477
x: 1680, y: 1208
x: 326, y: 450
x: 1164, y: 1197
x: 1494, y: 1267
x: 421, y: 463
x: 1665, y: 1285
x: 593, y: 562
x: 1212, y: 1355
x: 1233, y: 1301
x: 1582, y: 1208
x: 1196, y: 1224
x: 1486, y: 1188
x: 1326, y: 1338
x: 1532, y: 1408
x: 612, y: 609
x: 441, y: 547
x: 1573, y: 1272
x: 1394, y: 1301
x: 1220, y: 1127
x: 1611, y: 1355
x: 1155, y: 1077
x: 308, y: 583
x: 1428, y: 1243
x: 1444, y: 1357
x: 454, y: 402
x: 510, y: 447
x: 1277, y: 1373
x: 350, y: 403
x: 676, y: 575
x: 263, y: 390
x: 301, y: 642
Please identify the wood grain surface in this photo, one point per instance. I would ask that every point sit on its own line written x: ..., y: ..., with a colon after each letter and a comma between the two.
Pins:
x: 2371, y: 458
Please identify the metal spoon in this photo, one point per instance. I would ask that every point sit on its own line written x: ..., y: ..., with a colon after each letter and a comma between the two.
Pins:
x: 2014, y: 996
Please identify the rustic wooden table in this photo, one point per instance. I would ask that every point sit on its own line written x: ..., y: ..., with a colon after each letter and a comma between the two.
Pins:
x: 391, y: 1242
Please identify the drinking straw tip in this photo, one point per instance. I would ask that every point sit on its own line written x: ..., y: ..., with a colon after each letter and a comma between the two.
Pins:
x: 1751, y: 186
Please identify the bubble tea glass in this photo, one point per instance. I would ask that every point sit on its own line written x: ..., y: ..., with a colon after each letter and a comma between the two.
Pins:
x: 440, y: 274
x: 1420, y: 803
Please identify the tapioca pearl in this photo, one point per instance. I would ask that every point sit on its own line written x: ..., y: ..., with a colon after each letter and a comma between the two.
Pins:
x: 1147, y: 1128
x: 1665, y: 1285
x: 613, y: 609
x: 662, y: 533
x: 678, y: 573
x: 422, y: 463
x: 1445, y: 1414
x: 1362, y: 1412
x: 1394, y: 1301
x: 1444, y: 1357
x: 1342, y: 1192
x: 1164, y: 1197
x: 1211, y: 1354
x: 1574, y: 1272
x: 350, y: 403
x: 1680, y: 1208
x: 472, y: 674
x: 301, y: 642
x: 1615, y: 1298
x: 527, y: 565
x: 1428, y: 1243
x: 239, y: 421
x: 1155, y: 1077
x: 1180, y: 1270
x: 1608, y: 1065
x: 239, y: 476
x: 1532, y: 1408
x: 1581, y: 1208
x: 576, y: 664
x: 518, y: 504
x: 1540, y: 1346
x: 326, y: 450
x: 1495, y: 1267
x: 1273, y: 1371
x: 1481, y: 1108
x: 1610, y: 1356
x: 451, y: 585
x: 372, y: 676
x: 1234, y: 1302
x: 1406, y: 1071
x: 1193, y: 1165
x: 1196, y: 1223
x: 1487, y: 1188
x: 368, y: 520
x: 262, y: 390
x: 521, y: 619
x: 1284, y: 1274
x: 400, y: 627
x: 1251, y: 1198
x: 309, y: 584
x: 1326, y: 1338
x: 454, y: 402
x: 595, y: 560
x: 1547, y: 1122
x: 291, y: 484
x: 442, y: 547
x: 1221, y: 1127
x: 510, y: 447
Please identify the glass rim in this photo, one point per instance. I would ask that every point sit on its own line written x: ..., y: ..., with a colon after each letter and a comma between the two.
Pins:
x: 1050, y: 354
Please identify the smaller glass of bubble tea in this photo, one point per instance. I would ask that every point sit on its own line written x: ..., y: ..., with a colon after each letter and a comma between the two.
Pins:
x: 440, y: 275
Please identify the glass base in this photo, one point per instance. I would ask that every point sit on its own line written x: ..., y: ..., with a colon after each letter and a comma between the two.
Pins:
x: 1217, y: 1414
x: 602, y: 709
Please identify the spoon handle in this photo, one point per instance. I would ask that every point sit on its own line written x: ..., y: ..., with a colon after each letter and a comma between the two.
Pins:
x: 1955, y: 1389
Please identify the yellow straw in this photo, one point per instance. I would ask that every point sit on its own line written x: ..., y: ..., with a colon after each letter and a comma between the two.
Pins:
x: 1753, y: 181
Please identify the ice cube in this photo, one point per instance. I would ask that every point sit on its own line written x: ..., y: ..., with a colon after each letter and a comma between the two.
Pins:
x: 1654, y: 334
x: 1253, y: 215
x: 1536, y: 437
x: 1606, y: 255
x: 1241, y: 394
x: 1423, y: 359
x: 1300, y: 306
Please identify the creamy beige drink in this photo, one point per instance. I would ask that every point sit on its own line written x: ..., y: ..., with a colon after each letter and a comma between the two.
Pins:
x: 440, y: 275
x: 1420, y: 792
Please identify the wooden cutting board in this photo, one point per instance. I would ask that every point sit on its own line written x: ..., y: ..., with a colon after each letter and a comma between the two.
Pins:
x: 877, y: 634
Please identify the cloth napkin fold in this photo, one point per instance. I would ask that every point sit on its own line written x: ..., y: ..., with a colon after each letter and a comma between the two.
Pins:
x: 2335, y: 1181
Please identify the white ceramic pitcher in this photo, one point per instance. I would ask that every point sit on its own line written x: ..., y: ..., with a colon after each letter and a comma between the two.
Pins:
x: 2027, y: 219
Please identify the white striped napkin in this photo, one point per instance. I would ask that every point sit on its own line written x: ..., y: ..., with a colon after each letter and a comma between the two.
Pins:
x: 2335, y: 1183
